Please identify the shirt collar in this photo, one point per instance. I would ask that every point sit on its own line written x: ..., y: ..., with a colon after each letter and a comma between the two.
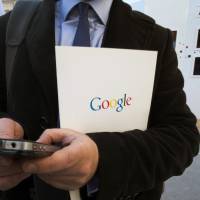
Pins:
x: 101, y: 7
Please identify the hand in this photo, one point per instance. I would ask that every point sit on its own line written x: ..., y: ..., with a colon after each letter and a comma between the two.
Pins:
x: 69, y: 168
x: 11, y: 173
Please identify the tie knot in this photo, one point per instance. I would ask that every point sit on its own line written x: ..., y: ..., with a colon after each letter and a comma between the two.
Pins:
x: 83, y: 9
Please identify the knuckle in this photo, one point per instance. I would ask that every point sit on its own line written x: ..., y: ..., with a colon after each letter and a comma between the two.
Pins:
x: 85, y: 173
x: 86, y: 168
x: 4, y: 185
x: 46, y: 132
x: 82, y: 181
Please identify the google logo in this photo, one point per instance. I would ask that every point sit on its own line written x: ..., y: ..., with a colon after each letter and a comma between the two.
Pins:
x: 97, y: 103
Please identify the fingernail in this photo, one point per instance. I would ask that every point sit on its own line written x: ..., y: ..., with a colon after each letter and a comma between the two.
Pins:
x: 30, y: 168
x: 39, y: 139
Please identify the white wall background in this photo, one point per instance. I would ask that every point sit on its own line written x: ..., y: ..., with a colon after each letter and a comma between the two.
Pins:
x: 192, y: 85
x: 183, y: 16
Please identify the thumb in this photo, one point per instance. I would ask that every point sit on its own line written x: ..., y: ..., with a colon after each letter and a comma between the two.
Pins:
x: 18, y: 131
x: 9, y: 129
x: 55, y: 136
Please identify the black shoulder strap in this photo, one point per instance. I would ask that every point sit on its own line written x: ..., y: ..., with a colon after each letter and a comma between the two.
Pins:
x: 17, y: 27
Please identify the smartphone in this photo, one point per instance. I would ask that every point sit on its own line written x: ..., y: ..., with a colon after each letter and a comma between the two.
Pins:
x: 26, y: 148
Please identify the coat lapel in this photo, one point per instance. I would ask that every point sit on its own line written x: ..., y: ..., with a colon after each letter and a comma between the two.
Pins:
x: 41, y: 47
x: 125, y: 29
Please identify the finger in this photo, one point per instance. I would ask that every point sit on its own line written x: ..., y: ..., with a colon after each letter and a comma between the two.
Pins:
x: 60, y: 160
x: 6, y: 128
x: 9, y: 182
x: 62, y: 174
x: 64, y: 183
x: 11, y: 170
x: 18, y: 131
x: 5, y: 162
x: 69, y: 172
x: 10, y: 129
x: 56, y: 184
x: 51, y: 136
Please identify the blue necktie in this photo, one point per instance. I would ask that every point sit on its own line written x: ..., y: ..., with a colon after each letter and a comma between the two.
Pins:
x: 82, y: 36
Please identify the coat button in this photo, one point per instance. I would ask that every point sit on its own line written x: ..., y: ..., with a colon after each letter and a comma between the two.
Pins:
x: 44, y: 123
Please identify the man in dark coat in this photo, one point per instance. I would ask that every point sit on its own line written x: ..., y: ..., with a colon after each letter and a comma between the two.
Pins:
x: 130, y: 165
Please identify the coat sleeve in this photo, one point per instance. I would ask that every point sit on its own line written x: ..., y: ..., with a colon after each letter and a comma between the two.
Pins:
x: 136, y: 161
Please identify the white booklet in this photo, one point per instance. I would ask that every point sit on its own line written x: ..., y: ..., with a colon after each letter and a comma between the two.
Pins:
x: 104, y: 90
